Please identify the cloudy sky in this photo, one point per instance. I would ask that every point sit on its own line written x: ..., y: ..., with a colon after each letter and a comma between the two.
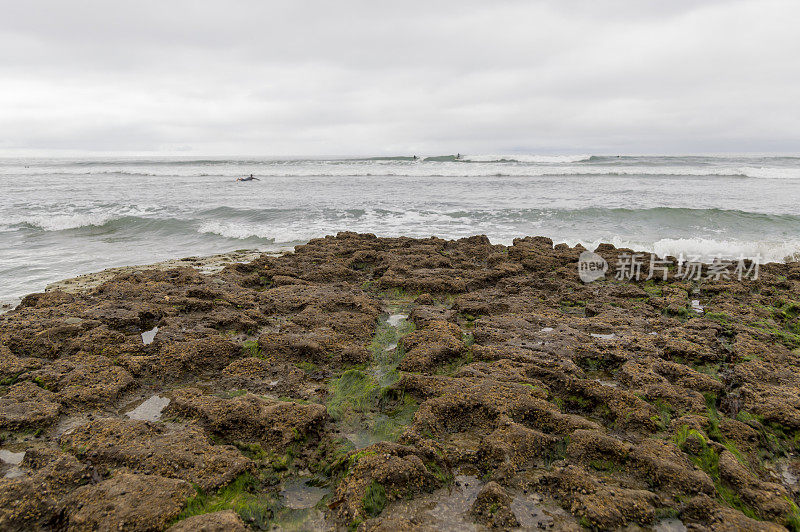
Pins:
x: 367, y: 77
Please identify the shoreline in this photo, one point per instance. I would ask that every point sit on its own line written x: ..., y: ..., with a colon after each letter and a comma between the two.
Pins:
x: 208, y: 264
x: 205, y: 264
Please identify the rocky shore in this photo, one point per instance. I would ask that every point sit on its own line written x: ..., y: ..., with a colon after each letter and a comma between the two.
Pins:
x: 403, y: 384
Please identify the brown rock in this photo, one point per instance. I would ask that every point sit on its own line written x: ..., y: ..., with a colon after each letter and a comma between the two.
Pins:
x: 27, y: 406
x: 250, y: 418
x: 222, y: 521
x: 126, y: 502
x: 493, y: 507
x: 153, y: 449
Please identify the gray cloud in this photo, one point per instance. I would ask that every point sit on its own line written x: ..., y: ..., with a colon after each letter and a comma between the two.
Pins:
x: 272, y: 78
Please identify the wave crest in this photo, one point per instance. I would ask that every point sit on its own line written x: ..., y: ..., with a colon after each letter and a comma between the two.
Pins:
x: 63, y: 222
x: 548, y: 159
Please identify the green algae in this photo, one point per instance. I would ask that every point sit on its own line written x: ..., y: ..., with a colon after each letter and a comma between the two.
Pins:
x: 364, y: 400
x: 374, y: 499
x: 250, y: 348
x: 707, y: 459
x: 246, y: 495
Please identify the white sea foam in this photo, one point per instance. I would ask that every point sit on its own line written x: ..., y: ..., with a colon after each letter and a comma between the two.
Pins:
x: 61, y: 222
x: 273, y: 233
x: 771, y: 172
x: 487, y: 166
x: 705, y: 249
x: 521, y: 158
x: 383, y: 222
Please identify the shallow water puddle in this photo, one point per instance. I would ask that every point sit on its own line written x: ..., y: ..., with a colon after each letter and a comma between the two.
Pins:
x: 14, y: 460
x: 530, y: 514
x: 391, y: 347
x: 298, y: 495
x: 447, y: 509
x: 360, y: 439
x: 290, y: 520
x: 148, y: 336
x: 547, y: 329
x: 789, y: 478
x: 394, y: 319
x: 609, y: 336
x: 150, y: 410
x: 669, y: 525
x: 697, y: 307
x: 10, y: 457
x: 69, y: 423
x: 603, y: 377
x: 451, y: 507
x: 610, y: 384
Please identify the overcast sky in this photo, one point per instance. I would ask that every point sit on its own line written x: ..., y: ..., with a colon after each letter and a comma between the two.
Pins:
x: 373, y: 77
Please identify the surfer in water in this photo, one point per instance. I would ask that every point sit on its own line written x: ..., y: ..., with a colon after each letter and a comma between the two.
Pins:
x: 251, y: 178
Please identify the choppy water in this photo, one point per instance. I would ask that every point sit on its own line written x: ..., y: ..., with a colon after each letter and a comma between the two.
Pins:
x: 64, y: 217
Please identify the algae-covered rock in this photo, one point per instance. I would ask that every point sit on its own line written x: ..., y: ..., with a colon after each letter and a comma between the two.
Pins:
x: 493, y: 508
x: 150, y: 448
x: 126, y: 502
x: 248, y: 417
x: 609, y: 405
x: 27, y: 406
x: 222, y: 521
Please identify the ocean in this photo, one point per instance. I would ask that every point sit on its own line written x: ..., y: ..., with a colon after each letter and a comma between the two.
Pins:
x: 64, y: 217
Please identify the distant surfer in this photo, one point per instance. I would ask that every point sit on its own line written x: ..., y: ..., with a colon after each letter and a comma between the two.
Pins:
x: 414, y: 158
x: 458, y: 156
x: 251, y: 178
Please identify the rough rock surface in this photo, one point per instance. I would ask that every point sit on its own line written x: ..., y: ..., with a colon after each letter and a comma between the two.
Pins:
x: 492, y: 507
x: 222, y: 521
x: 326, y: 388
x: 117, y: 503
x: 149, y: 448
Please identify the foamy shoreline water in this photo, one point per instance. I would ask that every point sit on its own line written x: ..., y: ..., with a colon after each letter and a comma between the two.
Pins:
x: 87, y: 281
x: 63, y: 217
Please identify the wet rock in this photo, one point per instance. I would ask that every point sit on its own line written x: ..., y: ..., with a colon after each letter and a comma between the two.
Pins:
x: 438, y: 342
x: 493, y: 507
x: 27, y: 406
x: 424, y: 299
x: 126, y: 502
x: 149, y: 448
x: 84, y: 379
x: 212, y: 353
x: 663, y: 464
x: 223, y: 521
x: 458, y: 405
x: 588, y: 445
x: 31, y: 502
x: 513, y: 446
x: 394, y: 524
x: 24, y: 505
x: 770, y: 499
x: 708, y: 513
x: 381, y: 473
x: 601, y: 506
x: 61, y: 471
x: 250, y: 418
x: 614, y: 400
x: 11, y: 366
